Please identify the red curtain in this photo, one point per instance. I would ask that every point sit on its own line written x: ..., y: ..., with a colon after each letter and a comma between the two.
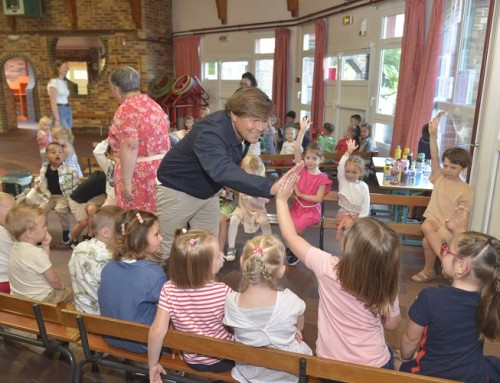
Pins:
x: 411, y: 55
x: 280, y: 71
x: 318, y: 89
x: 187, y: 62
x: 417, y: 109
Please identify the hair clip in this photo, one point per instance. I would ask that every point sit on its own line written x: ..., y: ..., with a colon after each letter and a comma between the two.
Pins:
x: 139, y: 218
x: 123, y: 228
x: 258, y: 250
x: 184, y: 230
x: 192, y: 241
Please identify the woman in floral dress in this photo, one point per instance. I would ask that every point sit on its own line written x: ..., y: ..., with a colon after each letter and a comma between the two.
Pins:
x: 139, y: 139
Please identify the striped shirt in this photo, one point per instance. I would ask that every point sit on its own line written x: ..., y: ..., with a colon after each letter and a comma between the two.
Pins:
x: 197, y: 311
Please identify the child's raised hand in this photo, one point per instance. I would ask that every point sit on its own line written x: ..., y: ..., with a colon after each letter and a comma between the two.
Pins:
x: 304, y: 123
x: 351, y: 145
x: 457, y: 222
x: 434, y: 124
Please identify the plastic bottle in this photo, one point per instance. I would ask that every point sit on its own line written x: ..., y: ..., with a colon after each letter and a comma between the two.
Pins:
x: 420, y: 161
x: 406, y: 151
x: 410, y: 160
x: 404, y: 172
x: 387, y: 173
x: 397, y: 153
x: 395, y: 173
x: 412, y: 176
x: 426, y: 171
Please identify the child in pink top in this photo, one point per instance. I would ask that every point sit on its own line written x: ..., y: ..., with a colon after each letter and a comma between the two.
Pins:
x: 311, y: 187
x: 358, y: 291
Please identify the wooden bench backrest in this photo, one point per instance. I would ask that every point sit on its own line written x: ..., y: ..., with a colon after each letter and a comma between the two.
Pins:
x: 264, y: 356
x: 328, y: 156
x: 24, y: 307
x: 387, y: 199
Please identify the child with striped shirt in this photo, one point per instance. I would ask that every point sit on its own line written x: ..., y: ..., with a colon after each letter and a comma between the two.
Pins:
x: 192, y: 300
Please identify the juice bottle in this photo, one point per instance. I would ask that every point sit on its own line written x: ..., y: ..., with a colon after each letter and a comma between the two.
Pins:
x: 397, y: 153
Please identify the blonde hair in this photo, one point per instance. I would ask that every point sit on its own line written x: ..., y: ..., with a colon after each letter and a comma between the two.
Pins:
x: 131, y: 230
x: 369, y: 266
x: 261, y: 261
x: 105, y: 217
x: 357, y: 161
x: 64, y: 133
x: 191, y: 258
x: 253, y: 165
x: 22, y: 218
x: 43, y: 121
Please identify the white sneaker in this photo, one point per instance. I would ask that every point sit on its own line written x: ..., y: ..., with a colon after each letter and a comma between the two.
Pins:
x: 231, y: 255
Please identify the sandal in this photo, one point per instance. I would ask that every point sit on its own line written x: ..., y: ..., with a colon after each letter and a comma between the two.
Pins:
x: 422, y: 277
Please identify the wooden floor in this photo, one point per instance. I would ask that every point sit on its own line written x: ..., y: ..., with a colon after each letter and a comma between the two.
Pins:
x: 19, y: 363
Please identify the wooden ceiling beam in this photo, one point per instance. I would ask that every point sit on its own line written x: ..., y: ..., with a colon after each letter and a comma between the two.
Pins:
x: 135, y: 7
x: 222, y: 10
x: 293, y: 7
x: 72, y: 15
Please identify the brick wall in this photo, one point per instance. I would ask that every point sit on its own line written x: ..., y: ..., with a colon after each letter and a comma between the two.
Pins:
x: 149, y: 49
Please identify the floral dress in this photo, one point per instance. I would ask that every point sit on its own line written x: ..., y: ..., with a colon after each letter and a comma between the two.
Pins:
x: 140, y: 118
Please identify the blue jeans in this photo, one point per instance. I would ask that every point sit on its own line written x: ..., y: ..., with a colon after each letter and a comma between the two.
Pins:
x: 65, y: 116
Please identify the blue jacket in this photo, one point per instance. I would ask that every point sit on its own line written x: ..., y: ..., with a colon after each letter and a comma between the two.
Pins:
x: 207, y: 159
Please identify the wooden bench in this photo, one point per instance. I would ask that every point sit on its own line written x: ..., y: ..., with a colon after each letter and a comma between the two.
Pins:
x: 308, y: 368
x: 403, y: 229
x: 43, y: 324
x: 283, y: 162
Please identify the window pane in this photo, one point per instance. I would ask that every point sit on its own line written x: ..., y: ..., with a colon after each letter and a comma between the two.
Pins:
x: 232, y: 70
x: 210, y: 71
x: 309, y: 42
x: 388, y: 88
x: 355, y: 67
x: 264, y: 45
x: 331, y: 68
x: 307, y: 80
x: 455, y: 130
x: 393, y: 26
x: 383, y: 133
x: 264, y: 75
x: 457, y: 71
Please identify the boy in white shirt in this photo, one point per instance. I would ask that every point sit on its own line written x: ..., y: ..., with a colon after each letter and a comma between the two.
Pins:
x: 30, y: 272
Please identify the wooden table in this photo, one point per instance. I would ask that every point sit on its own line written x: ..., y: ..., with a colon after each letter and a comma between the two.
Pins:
x: 379, y: 163
x: 403, y: 189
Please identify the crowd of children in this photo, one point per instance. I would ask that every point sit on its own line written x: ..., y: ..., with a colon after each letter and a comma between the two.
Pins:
x: 113, y: 272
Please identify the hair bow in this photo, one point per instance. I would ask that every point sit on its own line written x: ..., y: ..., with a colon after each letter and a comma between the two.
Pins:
x: 139, y: 218
x: 192, y: 241
x: 258, y: 250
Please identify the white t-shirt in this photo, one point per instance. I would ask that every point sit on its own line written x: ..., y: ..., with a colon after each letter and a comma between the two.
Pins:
x: 27, y: 263
x: 62, y: 91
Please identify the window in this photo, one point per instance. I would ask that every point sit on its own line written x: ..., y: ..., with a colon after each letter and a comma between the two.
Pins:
x: 388, y: 89
x: 355, y: 68
x: 309, y: 42
x: 232, y: 70
x: 264, y: 45
x: 331, y: 68
x: 392, y: 26
x: 307, y: 80
x: 264, y: 63
x: 458, y: 79
x: 209, y: 71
